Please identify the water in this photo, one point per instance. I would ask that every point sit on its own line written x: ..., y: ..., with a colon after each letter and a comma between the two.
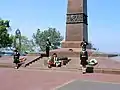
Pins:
x: 11, y: 54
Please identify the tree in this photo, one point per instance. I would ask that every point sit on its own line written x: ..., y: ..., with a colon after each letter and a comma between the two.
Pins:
x: 26, y: 44
x: 40, y: 38
x: 5, y: 38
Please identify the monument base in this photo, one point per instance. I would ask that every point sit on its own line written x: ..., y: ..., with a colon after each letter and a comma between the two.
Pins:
x: 68, y: 52
x: 69, y: 49
x: 71, y: 44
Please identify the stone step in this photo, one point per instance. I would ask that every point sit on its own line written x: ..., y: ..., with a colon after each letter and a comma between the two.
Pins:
x: 103, y: 63
x: 40, y: 63
x: 73, y: 63
x: 32, y: 60
x: 97, y: 70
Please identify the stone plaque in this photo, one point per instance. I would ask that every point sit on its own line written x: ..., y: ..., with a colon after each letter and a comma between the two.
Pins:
x: 76, y: 18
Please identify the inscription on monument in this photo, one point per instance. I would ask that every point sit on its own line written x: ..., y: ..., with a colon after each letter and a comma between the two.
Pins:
x: 76, y: 18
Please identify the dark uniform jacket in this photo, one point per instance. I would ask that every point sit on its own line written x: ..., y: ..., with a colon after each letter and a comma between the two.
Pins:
x: 16, y: 57
x: 84, y: 57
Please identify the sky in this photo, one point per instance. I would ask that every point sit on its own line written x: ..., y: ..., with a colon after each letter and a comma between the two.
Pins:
x: 29, y: 15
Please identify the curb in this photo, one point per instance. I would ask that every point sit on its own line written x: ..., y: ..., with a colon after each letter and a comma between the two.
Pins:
x: 104, y: 71
x: 96, y: 70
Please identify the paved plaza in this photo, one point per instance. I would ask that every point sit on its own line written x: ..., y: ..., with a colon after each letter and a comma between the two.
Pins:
x: 89, y: 85
x: 27, y: 79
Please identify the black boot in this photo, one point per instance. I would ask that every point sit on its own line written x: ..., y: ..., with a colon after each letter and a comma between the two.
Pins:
x: 84, y: 72
x: 18, y: 66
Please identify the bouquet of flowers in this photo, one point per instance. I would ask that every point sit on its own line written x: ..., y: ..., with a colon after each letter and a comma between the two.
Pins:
x: 92, y: 62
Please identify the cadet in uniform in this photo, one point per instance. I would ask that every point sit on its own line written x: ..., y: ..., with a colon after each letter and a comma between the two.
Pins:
x: 83, y: 59
x: 16, y: 58
x: 48, y: 44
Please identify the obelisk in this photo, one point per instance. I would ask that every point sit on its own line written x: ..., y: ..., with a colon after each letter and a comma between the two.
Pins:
x: 76, y: 24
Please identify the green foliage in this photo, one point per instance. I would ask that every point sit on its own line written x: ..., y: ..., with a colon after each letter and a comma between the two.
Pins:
x: 40, y: 38
x: 5, y: 38
x: 26, y: 44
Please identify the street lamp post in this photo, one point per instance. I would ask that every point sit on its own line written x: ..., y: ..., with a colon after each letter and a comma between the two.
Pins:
x: 17, y: 37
